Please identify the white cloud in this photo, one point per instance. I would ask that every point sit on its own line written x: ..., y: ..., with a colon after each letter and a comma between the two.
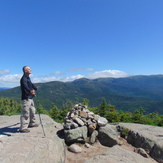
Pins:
x: 71, y: 78
x: 44, y: 79
x: 10, y: 80
x: 58, y: 73
x: 97, y: 74
x: 107, y: 73
x: 53, y: 78
x: 80, y: 69
x: 3, y: 72
x: 14, y: 80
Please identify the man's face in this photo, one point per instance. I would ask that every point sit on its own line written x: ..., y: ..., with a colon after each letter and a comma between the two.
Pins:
x: 28, y: 70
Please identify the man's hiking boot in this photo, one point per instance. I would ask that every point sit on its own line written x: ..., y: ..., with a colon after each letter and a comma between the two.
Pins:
x: 24, y: 130
x: 33, y: 125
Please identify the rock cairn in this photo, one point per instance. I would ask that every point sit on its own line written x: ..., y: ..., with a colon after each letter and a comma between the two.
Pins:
x: 82, y: 125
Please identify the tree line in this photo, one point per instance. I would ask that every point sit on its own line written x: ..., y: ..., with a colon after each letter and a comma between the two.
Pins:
x: 8, y: 106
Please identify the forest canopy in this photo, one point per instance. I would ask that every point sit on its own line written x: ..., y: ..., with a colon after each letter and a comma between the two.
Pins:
x: 105, y: 109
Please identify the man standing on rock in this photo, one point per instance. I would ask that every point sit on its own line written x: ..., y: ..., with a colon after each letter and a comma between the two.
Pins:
x: 27, y: 118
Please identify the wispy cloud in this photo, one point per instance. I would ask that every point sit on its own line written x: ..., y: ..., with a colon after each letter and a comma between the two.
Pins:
x: 71, y: 78
x: 59, y: 73
x: 44, y: 79
x: 14, y: 80
x: 80, y: 69
x: 107, y: 73
x: 10, y: 80
x: 3, y: 72
x: 53, y: 78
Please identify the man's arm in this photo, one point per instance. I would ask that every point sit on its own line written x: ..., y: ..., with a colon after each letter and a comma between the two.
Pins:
x: 34, y: 87
x: 25, y: 85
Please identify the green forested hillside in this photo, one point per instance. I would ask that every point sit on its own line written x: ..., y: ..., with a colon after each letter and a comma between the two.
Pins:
x: 127, y: 94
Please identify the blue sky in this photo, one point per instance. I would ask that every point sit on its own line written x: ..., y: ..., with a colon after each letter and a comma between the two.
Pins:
x: 68, y: 39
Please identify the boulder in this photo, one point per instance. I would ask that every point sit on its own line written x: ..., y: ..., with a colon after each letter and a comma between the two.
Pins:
x: 108, y: 135
x: 83, y: 114
x: 93, y: 137
x: 79, y: 121
x: 76, y: 135
x: 75, y: 148
x: 91, y: 128
x: 102, y: 121
x: 142, y: 152
x: 157, y: 151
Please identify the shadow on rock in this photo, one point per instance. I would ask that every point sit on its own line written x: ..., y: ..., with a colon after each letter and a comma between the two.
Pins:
x: 61, y: 134
x: 9, y: 129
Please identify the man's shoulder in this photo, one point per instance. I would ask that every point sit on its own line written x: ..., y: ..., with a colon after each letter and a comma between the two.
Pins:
x: 24, y: 77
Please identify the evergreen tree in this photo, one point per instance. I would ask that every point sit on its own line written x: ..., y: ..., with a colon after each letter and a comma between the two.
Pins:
x: 85, y: 102
x: 9, y: 107
x: 55, y: 113
x: 103, y: 108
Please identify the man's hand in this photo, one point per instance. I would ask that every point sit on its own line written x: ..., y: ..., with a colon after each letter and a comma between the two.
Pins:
x: 32, y: 92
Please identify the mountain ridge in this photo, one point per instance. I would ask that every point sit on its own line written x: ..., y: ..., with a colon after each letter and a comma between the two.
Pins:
x: 4, y: 88
x: 127, y: 93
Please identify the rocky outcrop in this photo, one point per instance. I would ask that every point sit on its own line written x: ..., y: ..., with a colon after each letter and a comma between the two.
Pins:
x: 150, y: 138
x: 81, y: 125
x: 35, y: 147
x: 117, y: 154
x: 30, y: 147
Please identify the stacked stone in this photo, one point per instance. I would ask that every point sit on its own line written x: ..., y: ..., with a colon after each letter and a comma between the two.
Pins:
x: 79, y: 118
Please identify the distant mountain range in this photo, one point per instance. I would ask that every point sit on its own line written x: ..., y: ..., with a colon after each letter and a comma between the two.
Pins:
x: 3, y: 88
x: 126, y: 94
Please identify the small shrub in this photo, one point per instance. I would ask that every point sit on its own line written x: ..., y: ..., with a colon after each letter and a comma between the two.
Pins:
x: 124, y: 132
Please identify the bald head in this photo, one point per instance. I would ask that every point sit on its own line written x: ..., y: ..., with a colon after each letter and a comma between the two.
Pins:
x: 27, y: 70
